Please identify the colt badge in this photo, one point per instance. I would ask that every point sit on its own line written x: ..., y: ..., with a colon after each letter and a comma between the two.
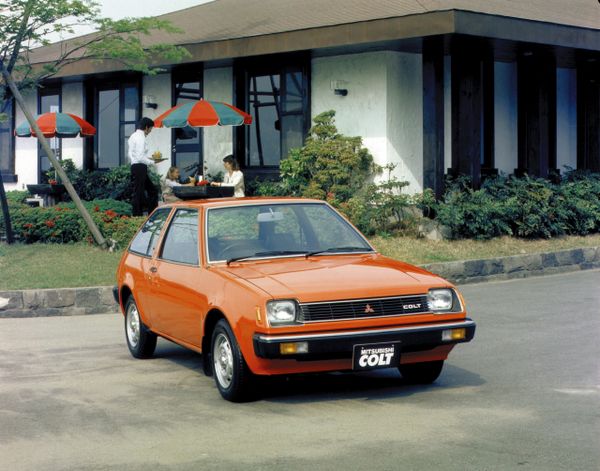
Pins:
x: 369, y: 309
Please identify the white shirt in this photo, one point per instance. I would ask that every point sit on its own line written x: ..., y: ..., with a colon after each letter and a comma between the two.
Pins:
x: 236, y: 180
x: 137, y: 149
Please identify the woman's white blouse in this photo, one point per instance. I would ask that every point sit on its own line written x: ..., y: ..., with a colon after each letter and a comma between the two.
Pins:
x: 236, y: 180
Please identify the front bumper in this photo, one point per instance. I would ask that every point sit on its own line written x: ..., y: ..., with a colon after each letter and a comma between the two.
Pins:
x: 335, y: 345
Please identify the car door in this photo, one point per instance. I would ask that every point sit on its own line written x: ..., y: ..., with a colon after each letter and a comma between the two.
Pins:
x: 178, y: 298
x: 141, y: 264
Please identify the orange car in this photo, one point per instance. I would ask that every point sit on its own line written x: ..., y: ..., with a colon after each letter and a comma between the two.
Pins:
x: 279, y: 286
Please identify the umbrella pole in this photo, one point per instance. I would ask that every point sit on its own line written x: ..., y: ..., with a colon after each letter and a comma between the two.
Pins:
x: 98, y: 237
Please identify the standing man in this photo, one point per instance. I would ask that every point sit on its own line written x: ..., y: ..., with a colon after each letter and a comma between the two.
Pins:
x: 140, y: 159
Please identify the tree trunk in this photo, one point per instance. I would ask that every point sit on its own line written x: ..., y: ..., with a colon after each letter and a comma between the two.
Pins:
x: 7, y: 225
x: 53, y: 160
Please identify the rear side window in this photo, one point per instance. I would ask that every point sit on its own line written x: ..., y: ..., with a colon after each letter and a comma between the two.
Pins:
x: 145, y: 241
x: 181, y: 241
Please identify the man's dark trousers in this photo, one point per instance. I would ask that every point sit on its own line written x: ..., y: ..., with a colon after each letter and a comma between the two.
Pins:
x: 141, y: 183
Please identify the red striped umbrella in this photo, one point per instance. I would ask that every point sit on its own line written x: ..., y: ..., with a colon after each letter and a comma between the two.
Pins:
x: 202, y: 113
x: 58, y: 125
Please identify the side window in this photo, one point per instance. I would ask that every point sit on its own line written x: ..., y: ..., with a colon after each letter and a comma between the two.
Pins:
x: 181, y: 241
x: 145, y: 241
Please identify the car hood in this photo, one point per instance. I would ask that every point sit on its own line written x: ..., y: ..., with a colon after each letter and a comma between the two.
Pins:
x: 335, y: 277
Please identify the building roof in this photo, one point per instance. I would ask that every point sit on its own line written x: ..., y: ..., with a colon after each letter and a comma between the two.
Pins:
x: 234, y: 20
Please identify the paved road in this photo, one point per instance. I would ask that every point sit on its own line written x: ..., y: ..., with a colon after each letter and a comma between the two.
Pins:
x: 524, y: 395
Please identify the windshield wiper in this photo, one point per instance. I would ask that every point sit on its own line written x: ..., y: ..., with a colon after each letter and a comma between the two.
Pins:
x: 267, y: 254
x: 339, y: 249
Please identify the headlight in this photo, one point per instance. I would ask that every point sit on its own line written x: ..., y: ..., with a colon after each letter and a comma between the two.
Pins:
x: 281, y: 312
x: 440, y: 300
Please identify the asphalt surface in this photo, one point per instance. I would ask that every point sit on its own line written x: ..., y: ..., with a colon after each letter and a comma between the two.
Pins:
x: 524, y: 395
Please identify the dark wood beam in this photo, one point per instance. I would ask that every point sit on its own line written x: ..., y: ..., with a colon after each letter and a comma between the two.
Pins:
x: 467, y: 109
x: 433, y: 115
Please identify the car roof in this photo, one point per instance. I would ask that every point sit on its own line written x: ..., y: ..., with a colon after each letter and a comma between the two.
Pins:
x: 248, y: 201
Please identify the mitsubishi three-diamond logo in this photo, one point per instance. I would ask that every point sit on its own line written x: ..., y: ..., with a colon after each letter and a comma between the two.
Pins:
x: 369, y: 309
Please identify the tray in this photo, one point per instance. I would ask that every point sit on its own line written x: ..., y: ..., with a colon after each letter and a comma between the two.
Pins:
x: 201, y: 192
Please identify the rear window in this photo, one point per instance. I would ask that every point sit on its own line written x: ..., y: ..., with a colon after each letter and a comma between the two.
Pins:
x: 144, y: 243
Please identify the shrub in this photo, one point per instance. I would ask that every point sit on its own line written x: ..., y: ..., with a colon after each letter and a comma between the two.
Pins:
x: 522, y: 207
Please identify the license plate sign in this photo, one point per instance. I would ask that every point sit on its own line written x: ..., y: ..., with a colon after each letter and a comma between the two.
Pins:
x: 375, y: 355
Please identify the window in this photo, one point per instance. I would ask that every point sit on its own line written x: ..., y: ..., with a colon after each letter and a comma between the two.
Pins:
x: 272, y: 230
x: 117, y: 111
x: 277, y: 98
x: 187, y: 142
x: 181, y: 241
x: 7, y: 141
x: 49, y: 101
x: 146, y: 239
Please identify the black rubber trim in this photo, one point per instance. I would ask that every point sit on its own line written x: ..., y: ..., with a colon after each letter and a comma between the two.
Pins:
x: 115, y: 291
x: 340, y: 345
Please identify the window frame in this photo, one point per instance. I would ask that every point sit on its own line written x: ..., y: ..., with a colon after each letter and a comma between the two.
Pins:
x: 120, y: 85
x: 48, y: 90
x: 8, y: 174
x: 159, y: 254
x: 267, y: 65
x: 186, y: 75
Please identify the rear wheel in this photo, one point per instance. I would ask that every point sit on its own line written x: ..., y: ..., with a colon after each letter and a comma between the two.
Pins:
x: 232, y: 375
x: 140, y: 340
x: 421, y: 373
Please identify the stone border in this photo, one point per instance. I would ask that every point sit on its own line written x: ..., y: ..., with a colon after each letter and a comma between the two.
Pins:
x: 99, y: 300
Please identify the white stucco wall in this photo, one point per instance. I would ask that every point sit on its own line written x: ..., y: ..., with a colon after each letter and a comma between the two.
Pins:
x: 26, y: 155
x: 217, y: 141
x: 505, y: 116
x: 383, y: 105
x: 158, y: 86
x: 72, y: 102
x: 566, y: 118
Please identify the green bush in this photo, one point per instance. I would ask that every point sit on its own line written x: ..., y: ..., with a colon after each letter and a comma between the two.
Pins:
x: 340, y: 170
x: 521, y: 207
x: 63, y: 223
x: 16, y: 198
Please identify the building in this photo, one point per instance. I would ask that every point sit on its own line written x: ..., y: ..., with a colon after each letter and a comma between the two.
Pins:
x: 459, y: 86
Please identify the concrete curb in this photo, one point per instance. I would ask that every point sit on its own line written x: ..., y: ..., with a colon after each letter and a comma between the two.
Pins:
x: 99, y: 300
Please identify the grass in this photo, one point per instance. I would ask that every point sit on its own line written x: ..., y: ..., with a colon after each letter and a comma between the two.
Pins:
x: 59, y: 266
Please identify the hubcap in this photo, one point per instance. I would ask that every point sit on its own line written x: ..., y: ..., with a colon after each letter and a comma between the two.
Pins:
x: 133, y: 326
x: 223, y: 360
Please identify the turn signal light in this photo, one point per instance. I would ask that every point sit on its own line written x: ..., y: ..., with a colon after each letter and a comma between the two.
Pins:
x: 453, y: 334
x: 293, y: 348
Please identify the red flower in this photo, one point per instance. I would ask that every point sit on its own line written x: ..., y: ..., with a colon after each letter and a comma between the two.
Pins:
x: 330, y: 195
x: 110, y: 213
x: 202, y: 183
x: 52, y: 182
x: 96, y: 208
x: 50, y: 223
x: 27, y: 226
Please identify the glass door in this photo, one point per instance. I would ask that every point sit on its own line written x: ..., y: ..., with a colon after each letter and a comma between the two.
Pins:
x: 49, y: 102
x: 187, y: 142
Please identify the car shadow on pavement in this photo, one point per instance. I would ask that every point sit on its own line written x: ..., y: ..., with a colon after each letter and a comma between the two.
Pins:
x: 372, y: 385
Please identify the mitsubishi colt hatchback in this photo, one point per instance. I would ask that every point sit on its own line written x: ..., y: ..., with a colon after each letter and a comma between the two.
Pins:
x: 280, y: 286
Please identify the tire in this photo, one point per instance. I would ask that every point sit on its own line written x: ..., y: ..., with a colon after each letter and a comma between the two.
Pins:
x: 233, y: 378
x: 140, y: 340
x: 421, y: 373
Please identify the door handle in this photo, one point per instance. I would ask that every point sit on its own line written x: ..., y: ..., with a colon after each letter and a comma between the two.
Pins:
x: 153, y: 269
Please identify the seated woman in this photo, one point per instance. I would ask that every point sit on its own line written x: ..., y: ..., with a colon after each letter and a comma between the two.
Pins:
x: 171, y: 180
x: 233, y: 177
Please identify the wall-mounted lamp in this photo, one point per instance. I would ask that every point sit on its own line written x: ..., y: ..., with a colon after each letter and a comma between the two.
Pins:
x: 339, y: 87
x: 150, y: 102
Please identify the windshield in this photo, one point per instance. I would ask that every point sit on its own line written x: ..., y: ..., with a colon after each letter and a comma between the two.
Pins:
x: 281, y: 229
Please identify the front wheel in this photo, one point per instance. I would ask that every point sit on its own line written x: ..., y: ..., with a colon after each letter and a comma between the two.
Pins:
x: 421, y: 373
x: 140, y: 340
x: 232, y: 375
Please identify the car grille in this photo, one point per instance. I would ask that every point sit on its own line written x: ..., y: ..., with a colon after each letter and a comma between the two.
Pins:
x: 363, y: 308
